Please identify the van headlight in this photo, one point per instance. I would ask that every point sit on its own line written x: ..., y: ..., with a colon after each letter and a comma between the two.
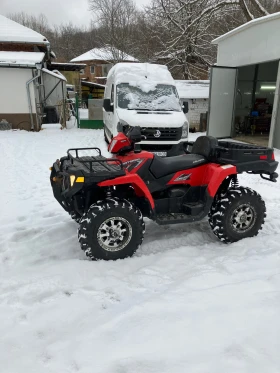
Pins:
x: 185, y: 130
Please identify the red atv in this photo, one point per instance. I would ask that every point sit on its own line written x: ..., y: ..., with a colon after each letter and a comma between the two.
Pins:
x: 109, y: 197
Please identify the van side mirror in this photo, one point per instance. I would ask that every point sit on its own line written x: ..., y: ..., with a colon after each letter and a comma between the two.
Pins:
x: 107, y: 106
x: 185, y: 107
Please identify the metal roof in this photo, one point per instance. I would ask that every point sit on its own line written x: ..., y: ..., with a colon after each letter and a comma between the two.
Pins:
x: 91, y: 84
x: 193, y: 89
x: 68, y: 66
x: 247, y: 25
x: 20, y: 59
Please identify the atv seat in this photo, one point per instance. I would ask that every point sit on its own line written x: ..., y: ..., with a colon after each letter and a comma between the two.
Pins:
x: 165, y: 166
x: 202, y: 151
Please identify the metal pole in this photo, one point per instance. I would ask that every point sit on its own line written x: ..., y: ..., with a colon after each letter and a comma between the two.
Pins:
x: 29, y: 99
x: 276, y: 107
x: 63, y: 103
x: 77, y: 110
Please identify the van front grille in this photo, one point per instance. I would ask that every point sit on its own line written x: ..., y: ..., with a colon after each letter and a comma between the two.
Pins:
x: 162, y: 134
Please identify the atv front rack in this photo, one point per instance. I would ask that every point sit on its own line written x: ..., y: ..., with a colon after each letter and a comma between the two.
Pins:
x: 95, y: 164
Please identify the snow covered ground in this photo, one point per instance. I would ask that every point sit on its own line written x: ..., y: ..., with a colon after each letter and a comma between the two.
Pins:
x: 184, y: 303
x: 83, y: 113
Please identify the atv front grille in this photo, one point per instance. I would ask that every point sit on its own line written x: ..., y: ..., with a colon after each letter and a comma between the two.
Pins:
x: 162, y: 134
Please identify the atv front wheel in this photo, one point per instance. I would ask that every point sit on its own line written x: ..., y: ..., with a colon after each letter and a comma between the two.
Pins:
x: 236, y: 214
x: 112, y: 229
x: 75, y: 216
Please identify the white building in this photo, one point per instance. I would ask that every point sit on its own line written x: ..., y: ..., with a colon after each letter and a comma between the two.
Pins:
x: 28, y: 89
x: 245, y: 83
x: 196, y: 92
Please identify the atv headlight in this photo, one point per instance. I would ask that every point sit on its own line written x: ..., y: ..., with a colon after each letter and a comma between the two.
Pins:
x: 79, y: 179
x: 185, y: 132
x: 72, y: 179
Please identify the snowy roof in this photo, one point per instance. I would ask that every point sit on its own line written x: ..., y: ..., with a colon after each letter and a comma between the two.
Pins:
x: 68, y: 66
x: 55, y: 73
x: 144, y: 73
x: 103, y: 54
x: 92, y: 84
x: 20, y: 58
x: 193, y: 88
x: 11, y: 31
x: 241, y: 28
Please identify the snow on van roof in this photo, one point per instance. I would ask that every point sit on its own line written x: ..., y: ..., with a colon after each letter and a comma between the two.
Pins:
x: 20, y: 58
x: 11, y: 31
x: 144, y: 73
x: 193, y: 88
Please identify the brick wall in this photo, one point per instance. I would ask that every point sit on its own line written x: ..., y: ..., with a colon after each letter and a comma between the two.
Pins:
x: 97, y: 71
x: 13, y: 47
x: 196, y: 107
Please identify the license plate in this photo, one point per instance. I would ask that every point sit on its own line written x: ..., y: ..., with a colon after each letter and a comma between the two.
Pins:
x: 160, y: 154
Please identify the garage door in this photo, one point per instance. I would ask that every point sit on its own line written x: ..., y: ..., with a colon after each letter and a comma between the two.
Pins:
x: 222, y: 101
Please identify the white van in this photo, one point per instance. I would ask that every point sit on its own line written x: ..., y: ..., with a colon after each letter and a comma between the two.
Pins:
x: 145, y: 95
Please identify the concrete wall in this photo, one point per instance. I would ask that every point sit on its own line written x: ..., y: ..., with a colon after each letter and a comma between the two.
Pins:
x: 255, y: 43
x: 196, y: 107
x: 95, y: 109
x: 13, y: 97
x: 13, y: 94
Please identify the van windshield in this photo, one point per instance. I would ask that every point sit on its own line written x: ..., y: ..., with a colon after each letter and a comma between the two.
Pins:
x: 161, y: 97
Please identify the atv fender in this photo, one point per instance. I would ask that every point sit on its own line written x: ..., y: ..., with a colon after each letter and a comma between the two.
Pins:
x: 216, y: 174
x: 135, y: 180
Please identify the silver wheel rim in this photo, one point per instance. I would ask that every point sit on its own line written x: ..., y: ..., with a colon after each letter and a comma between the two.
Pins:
x: 243, y: 218
x: 114, y: 234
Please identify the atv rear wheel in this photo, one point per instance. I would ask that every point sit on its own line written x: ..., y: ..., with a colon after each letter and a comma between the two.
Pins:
x: 112, y: 229
x: 237, y: 214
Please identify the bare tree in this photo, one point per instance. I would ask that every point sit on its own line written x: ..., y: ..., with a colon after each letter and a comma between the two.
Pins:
x: 37, y: 23
x: 184, y: 29
x: 115, y: 21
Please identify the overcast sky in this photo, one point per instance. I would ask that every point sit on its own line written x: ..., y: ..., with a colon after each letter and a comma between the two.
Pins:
x: 57, y: 11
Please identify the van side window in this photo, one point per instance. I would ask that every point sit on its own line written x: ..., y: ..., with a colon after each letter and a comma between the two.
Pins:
x: 112, y: 94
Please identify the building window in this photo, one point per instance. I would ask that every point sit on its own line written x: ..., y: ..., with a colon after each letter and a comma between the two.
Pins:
x: 92, y: 69
x: 82, y: 71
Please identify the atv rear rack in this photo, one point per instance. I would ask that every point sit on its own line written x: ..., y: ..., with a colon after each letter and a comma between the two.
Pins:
x: 248, y: 158
x: 238, y: 152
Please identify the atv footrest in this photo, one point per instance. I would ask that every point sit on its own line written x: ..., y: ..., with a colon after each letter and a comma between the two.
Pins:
x: 193, y: 208
x: 173, y: 218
